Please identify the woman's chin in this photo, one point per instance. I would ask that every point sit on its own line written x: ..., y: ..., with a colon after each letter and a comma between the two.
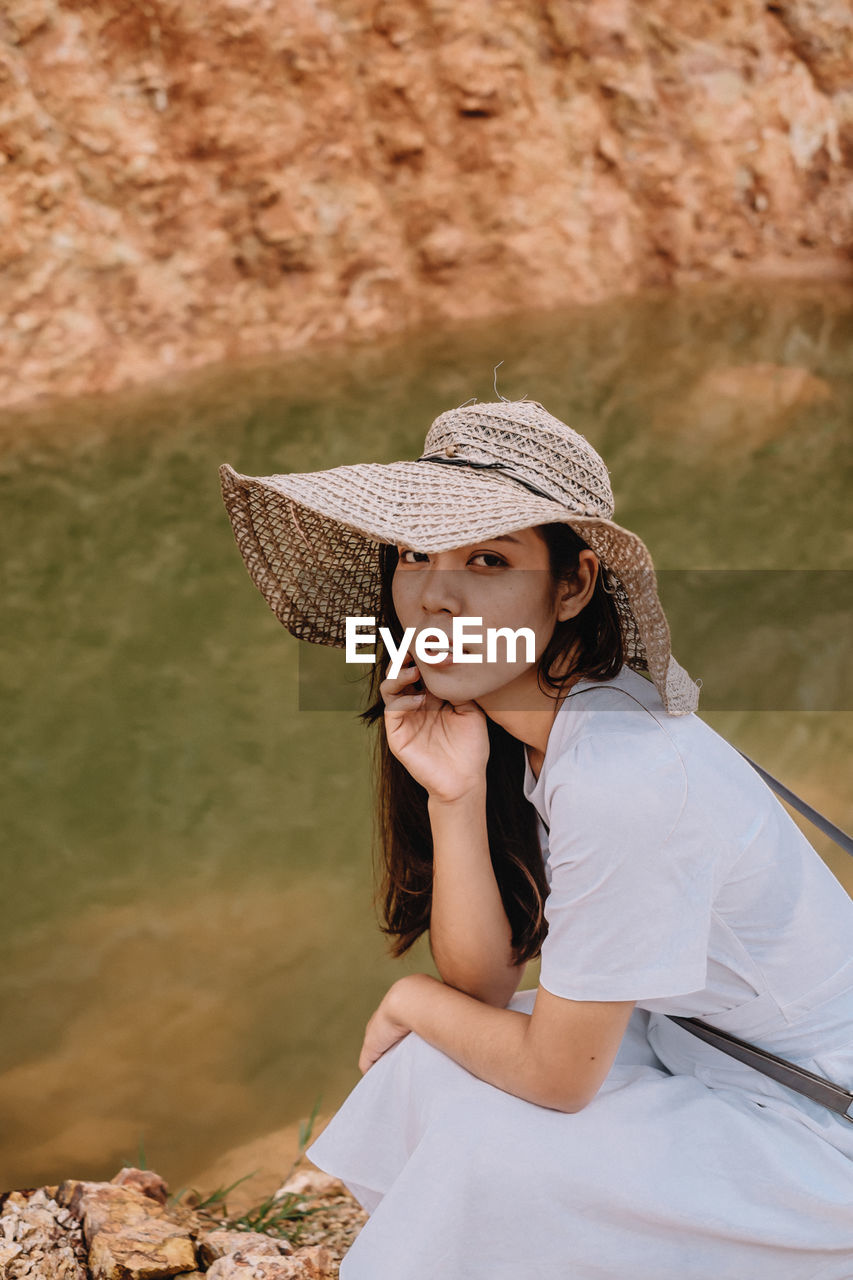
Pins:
x: 454, y: 684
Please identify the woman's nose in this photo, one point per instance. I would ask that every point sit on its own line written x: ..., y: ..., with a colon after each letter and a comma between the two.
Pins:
x: 441, y: 592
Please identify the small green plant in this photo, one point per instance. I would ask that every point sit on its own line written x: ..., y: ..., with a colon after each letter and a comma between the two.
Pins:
x: 280, y: 1214
x: 305, y: 1130
x: 140, y: 1162
x: 218, y: 1197
x: 275, y: 1216
x: 215, y: 1198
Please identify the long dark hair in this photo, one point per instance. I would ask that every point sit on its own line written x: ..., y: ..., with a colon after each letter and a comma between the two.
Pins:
x: 590, y: 645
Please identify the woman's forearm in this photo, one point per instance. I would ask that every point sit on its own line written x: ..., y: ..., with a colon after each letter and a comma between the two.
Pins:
x: 493, y: 1044
x: 470, y: 935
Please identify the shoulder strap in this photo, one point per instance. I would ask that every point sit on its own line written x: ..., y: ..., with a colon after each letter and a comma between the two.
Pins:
x: 841, y: 838
x: 830, y: 1095
x: 834, y: 1096
x: 823, y: 824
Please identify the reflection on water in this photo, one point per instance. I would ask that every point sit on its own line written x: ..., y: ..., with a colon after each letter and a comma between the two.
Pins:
x: 188, y: 949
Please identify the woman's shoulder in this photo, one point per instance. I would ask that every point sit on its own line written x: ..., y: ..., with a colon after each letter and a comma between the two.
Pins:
x: 614, y: 760
x: 613, y: 726
x: 620, y: 727
x: 619, y: 757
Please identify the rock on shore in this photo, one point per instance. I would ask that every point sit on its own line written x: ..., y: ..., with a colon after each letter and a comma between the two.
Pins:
x: 126, y: 1229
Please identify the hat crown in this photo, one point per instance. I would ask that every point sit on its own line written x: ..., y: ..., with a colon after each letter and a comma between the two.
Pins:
x: 521, y: 439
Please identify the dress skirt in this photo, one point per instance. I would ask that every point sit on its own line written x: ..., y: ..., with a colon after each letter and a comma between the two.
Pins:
x: 660, y: 1177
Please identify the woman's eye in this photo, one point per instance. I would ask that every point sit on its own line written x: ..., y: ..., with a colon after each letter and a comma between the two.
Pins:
x: 480, y: 555
x: 489, y: 555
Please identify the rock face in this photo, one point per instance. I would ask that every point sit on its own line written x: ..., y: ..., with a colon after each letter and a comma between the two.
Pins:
x: 183, y: 181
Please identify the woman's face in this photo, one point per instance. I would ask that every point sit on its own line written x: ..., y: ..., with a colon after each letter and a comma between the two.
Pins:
x: 507, y: 582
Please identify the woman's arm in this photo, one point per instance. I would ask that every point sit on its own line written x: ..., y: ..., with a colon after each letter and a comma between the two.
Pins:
x: 445, y: 747
x: 556, y: 1057
x: 470, y: 936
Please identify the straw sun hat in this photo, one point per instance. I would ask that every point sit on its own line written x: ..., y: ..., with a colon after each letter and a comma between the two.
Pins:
x: 310, y: 539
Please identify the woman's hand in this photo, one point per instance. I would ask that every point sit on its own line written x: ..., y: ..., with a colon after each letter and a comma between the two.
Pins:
x: 444, y: 747
x: 383, y: 1031
x: 390, y: 1022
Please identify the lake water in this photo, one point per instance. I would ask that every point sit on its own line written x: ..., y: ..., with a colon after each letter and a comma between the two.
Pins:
x: 188, y: 946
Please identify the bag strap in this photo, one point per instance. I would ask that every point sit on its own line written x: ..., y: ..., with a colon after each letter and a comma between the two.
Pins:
x: 797, y: 1078
x: 823, y: 824
x: 812, y: 1086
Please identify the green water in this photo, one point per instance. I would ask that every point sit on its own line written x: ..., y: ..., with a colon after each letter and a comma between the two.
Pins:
x: 188, y: 946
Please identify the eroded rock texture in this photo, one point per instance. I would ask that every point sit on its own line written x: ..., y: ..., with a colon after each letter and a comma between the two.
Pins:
x: 183, y: 181
x: 129, y: 1234
x: 126, y: 1229
x: 39, y: 1239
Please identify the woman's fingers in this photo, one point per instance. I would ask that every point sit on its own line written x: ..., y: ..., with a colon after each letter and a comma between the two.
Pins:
x: 393, y: 688
x: 405, y: 673
x: 409, y: 702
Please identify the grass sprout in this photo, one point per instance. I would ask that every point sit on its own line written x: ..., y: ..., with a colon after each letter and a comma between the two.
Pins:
x: 140, y: 1162
x: 275, y: 1216
x: 282, y: 1214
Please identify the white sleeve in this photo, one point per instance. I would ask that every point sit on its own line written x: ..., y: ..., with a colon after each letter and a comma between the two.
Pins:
x: 629, y: 910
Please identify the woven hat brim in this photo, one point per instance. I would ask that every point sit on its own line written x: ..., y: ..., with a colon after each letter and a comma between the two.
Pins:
x: 309, y: 541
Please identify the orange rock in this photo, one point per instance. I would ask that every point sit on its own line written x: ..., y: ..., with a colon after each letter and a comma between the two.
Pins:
x: 221, y: 1243
x: 312, y: 1263
x: 144, y: 1180
x: 129, y: 1235
x: 312, y: 1182
x: 233, y: 179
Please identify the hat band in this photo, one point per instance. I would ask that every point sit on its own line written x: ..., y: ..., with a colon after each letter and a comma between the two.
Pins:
x: 499, y: 466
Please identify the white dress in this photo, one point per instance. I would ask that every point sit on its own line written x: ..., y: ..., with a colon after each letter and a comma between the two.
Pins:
x: 676, y: 880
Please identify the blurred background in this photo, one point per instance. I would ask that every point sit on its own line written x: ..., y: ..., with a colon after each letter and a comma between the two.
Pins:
x: 287, y: 236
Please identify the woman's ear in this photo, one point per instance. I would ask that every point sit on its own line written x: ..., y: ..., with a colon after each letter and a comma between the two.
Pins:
x: 576, y: 591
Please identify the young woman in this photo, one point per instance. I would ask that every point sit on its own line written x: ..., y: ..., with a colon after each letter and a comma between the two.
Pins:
x: 567, y: 805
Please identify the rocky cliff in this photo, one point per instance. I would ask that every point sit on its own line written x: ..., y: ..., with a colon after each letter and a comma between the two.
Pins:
x: 183, y: 181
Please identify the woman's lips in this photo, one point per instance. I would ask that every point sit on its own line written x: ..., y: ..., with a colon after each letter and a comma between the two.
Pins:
x: 447, y: 661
